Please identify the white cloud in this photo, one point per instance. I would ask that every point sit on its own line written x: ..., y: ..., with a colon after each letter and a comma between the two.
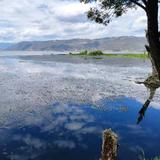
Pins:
x: 22, y: 20
x: 74, y: 126
x: 65, y: 144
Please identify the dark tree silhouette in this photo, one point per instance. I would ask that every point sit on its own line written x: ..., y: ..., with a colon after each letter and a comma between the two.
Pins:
x: 146, y: 105
x: 105, y: 10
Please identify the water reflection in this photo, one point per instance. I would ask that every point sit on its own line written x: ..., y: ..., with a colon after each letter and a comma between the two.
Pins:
x: 69, y: 131
x: 152, y: 83
x: 146, y: 105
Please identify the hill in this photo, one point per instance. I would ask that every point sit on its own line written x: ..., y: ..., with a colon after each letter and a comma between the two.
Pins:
x: 115, y: 44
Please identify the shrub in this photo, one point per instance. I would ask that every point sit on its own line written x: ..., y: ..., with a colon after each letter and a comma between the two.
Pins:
x: 83, y: 52
x: 95, y: 53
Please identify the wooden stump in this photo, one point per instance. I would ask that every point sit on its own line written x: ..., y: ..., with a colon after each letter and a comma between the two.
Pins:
x: 110, y: 145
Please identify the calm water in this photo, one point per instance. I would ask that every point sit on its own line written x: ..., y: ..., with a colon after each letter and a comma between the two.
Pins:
x: 56, y: 108
x: 73, y: 131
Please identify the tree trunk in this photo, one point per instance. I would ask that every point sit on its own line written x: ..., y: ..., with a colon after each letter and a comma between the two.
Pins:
x: 153, y: 33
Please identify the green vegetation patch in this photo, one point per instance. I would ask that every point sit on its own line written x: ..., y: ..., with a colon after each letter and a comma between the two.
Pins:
x: 155, y: 158
x: 142, y: 156
x: 100, y: 53
x: 88, y: 53
x: 132, y: 55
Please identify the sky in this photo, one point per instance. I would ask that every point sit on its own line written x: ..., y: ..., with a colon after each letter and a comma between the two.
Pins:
x: 40, y: 20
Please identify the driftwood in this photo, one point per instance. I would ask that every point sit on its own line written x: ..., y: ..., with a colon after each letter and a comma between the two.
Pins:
x: 110, y: 145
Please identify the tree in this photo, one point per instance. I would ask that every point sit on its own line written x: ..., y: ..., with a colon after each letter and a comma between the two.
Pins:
x: 105, y: 10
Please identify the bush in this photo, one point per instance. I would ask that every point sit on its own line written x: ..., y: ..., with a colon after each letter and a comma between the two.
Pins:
x: 83, y: 52
x: 95, y: 53
x: 88, y: 53
x: 91, y: 53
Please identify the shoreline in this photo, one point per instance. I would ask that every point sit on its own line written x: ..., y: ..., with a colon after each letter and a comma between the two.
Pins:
x: 115, y: 55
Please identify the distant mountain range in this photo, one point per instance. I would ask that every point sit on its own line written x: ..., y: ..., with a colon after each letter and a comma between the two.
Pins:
x: 4, y: 46
x: 115, y: 44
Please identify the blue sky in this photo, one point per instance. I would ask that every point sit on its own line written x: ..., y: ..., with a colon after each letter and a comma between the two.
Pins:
x: 27, y: 20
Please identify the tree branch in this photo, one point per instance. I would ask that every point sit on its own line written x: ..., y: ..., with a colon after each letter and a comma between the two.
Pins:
x: 145, y: 2
x: 139, y: 4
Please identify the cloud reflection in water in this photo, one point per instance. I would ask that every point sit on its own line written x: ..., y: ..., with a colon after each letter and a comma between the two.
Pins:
x: 73, y: 131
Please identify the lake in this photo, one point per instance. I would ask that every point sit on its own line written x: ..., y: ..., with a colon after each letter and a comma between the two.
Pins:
x: 57, y: 106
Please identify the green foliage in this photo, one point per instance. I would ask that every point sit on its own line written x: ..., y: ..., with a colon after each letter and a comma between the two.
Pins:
x: 128, y: 55
x: 89, y: 53
x: 143, y: 157
x: 105, y: 10
x: 95, y: 53
x: 83, y: 52
x: 155, y: 158
x: 100, y: 53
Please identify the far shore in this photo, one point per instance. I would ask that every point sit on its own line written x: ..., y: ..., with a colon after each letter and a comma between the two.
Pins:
x: 128, y: 55
x: 100, y: 54
x: 114, y: 54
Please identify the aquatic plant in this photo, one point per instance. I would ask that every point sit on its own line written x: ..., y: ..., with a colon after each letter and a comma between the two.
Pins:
x: 143, y: 157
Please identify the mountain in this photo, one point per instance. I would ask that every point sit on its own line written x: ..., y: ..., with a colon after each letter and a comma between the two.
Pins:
x: 4, y: 46
x: 115, y: 44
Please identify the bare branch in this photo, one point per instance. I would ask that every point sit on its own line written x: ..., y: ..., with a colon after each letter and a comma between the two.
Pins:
x: 139, y: 4
x: 145, y: 2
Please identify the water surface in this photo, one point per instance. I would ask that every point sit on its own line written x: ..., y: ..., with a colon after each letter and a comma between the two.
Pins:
x: 73, y: 131
x: 52, y: 107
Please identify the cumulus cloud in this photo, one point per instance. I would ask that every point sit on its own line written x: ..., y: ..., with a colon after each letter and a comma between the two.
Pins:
x: 74, y: 126
x: 65, y: 144
x: 23, y: 20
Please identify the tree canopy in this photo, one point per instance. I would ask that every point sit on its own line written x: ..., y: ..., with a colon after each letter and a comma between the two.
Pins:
x: 105, y: 10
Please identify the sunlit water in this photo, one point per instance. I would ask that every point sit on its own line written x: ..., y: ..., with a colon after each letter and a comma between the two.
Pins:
x: 58, y: 108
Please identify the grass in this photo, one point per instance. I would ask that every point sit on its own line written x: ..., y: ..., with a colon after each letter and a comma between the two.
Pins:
x: 131, y: 55
x: 100, y: 53
x: 155, y: 158
x: 143, y: 157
